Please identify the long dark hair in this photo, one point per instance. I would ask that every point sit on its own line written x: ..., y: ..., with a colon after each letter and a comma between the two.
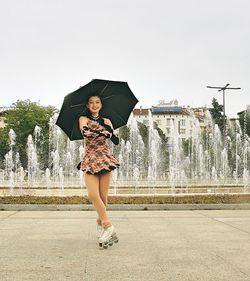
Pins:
x: 87, y: 111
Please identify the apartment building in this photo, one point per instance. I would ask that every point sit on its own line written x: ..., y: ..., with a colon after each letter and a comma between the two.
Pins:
x: 171, y: 118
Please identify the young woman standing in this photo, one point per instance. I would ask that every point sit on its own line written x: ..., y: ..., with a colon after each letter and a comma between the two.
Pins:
x: 97, y: 163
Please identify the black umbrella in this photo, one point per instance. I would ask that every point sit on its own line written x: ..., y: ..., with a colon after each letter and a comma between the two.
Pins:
x: 117, y: 103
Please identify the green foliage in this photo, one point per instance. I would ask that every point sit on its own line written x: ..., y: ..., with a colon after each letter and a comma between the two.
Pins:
x: 217, y: 113
x: 161, y: 134
x: 143, y: 130
x: 23, y: 120
x: 4, y: 146
x: 124, y: 133
x: 163, y: 148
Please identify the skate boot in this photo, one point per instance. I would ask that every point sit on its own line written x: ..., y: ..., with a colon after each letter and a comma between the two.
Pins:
x: 108, y: 237
x: 99, y: 230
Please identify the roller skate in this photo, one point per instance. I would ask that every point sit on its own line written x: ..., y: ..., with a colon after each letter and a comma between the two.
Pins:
x: 99, y: 230
x: 108, y: 237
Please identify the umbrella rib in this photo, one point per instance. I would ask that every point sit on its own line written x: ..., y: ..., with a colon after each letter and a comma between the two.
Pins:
x: 102, y: 91
x: 80, y: 104
x: 109, y: 97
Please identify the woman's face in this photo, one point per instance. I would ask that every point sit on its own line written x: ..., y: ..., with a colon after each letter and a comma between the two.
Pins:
x: 94, y: 105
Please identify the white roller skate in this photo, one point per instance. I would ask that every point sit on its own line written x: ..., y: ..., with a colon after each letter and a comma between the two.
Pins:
x: 108, y: 237
x: 99, y: 230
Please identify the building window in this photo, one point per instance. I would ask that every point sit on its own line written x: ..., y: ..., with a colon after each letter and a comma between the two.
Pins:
x: 169, y: 122
x: 183, y: 122
x: 168, y: 130
x: 182, y: 131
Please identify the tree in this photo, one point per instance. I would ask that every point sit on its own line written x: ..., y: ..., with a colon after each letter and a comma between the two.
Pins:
x: 4, y: 146
x: 23, y: 120
x: 124, y: 133
x: 217, y: 113
x: 143, y: 130
x: 163, y: 148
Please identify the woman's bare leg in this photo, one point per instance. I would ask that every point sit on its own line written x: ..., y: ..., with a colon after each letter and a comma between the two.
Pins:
x: 92, y: 185
x: 104, y: 183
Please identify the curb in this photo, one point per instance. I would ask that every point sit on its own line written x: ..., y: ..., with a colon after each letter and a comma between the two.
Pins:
x: 126, y: 207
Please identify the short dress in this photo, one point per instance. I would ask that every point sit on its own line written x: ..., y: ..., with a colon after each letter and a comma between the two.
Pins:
x: 98, y: 158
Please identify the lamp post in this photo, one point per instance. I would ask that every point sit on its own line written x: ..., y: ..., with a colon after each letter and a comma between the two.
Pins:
x: 223, y: 89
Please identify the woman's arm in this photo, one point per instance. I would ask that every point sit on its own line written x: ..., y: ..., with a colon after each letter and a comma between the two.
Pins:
x: 108, y: 122
x: 86, y: 132
x: 114, y: 137
x: 83, y: 120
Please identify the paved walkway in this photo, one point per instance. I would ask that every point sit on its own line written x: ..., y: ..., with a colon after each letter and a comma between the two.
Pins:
x: 154, y: 245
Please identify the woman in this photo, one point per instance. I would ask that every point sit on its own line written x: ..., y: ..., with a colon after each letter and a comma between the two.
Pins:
x: 98, y: 162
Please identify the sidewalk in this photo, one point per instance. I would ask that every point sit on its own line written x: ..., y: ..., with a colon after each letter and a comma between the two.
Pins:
x: 154, y: 245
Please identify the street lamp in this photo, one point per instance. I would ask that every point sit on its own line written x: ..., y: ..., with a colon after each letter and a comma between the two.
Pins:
x: 223, y: 89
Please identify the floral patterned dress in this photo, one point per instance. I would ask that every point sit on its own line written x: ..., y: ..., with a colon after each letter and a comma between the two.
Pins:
x: 98, y: 158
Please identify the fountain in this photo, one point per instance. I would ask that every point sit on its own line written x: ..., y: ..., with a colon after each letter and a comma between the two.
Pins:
x: 204, y: 164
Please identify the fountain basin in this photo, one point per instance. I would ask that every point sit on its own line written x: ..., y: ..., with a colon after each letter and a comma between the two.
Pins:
x: 132, y: 199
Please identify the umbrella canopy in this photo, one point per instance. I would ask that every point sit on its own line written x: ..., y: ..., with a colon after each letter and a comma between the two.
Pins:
x: 118, y: 102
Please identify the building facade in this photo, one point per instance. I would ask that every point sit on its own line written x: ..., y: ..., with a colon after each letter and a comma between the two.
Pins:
x: 171, y: 118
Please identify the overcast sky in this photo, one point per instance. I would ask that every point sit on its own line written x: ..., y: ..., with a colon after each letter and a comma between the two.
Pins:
x: 163, y: 49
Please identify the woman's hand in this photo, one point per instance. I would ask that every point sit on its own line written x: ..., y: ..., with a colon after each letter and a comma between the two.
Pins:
x: 114, y: 137
x: 83, y: 120
x: 108, y: 122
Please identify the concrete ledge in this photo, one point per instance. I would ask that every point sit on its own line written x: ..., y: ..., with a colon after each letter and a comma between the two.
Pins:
x: 132, y: 207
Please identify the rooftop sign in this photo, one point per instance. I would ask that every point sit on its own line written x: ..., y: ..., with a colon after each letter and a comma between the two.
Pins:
x: 156, y: 109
